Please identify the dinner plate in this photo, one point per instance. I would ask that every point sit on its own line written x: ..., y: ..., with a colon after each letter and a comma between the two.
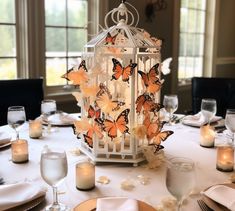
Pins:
x: 214, y: 205
x: 90, y: 205
x: 28, y: 205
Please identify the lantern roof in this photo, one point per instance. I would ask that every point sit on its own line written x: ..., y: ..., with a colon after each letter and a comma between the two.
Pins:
x: 123, y: 33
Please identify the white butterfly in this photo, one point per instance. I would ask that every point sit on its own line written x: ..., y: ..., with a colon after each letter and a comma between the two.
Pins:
x: 165, y: 66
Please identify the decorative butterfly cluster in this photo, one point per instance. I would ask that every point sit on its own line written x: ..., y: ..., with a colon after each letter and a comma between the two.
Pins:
x: 107, y: 115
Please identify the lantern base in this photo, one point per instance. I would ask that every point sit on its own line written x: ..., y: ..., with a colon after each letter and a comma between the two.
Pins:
x: 226, y: 169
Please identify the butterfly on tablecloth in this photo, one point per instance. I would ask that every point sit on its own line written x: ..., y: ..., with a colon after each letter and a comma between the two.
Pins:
x: 120, y: 71
x: 78, y: 75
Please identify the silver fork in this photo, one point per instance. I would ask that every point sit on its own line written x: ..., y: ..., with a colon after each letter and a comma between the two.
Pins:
x: 203, y: 205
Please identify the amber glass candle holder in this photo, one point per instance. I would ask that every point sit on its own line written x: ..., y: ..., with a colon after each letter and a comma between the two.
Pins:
x: 225, y: 158
x: 19, y: 151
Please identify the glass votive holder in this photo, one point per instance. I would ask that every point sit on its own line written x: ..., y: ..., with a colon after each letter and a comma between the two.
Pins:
x: 19, y: 151
x: 207, y: 136
x: 35, y: 129
x: 85, y: 176
x: 225, y: 158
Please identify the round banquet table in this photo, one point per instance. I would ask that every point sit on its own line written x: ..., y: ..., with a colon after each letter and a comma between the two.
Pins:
x: 184, y: 142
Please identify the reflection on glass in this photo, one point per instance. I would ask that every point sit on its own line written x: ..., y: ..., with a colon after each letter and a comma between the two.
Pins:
x: 7, y: 11
x: 55, y: 68
x: 78, y: 36
x: 8, y: 68
x: 55, y: 13
x: 77, y: 13
x: 8, y: 47
x: 56, y: 40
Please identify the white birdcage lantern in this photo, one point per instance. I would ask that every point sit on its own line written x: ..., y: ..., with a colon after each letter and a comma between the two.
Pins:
x: 108, y: 57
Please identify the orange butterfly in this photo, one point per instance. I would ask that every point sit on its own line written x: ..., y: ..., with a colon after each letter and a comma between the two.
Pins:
x: 153, y: 126
x: 110, y: 39
x: 146, y: 102
x: 118, y: 125
x: 77, y: 76
x: 88, y: 140
x: 105, y: 102
x: 92, y: 112
x: 120, y: 71
x: 151, y: 80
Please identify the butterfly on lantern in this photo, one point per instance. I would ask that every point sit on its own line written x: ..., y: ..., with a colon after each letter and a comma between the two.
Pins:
x: 104, y: 100
x: 89, y: 129
x: 153, y: 131
x: 78, y: 75
x: 151, y: 80
x: 146, y: 103
x: 110, y: 40
x: 120, y: 71
x: 114, y: 127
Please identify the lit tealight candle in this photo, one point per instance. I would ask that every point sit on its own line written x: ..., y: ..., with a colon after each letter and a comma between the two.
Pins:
x: 225, y: 158
x: 207, y: 136
x: 19, y: 151
x: 85, y: 176
x: 35, y: 129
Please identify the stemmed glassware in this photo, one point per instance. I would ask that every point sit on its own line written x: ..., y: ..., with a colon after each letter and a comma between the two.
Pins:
x: 208, y: 109
x: 54, y: 169
x: 48, y: 107
x: 16, y: 117
x: 170, y: 103
x: 230, y: 121
x: 180, y: 178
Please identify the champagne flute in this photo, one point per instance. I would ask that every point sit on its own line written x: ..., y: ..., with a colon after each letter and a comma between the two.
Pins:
x: 230, y: 121
x: 180, y: 178
x: 208, y: 109
x: 54, y: 169
x: 170, y: 103
x: 16, y: 117
x: 48, y: 107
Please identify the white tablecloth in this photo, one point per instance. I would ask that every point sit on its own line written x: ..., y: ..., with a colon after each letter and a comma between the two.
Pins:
x: 184, y: 142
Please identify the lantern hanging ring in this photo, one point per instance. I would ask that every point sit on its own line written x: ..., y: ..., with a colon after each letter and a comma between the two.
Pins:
x: 122, y: 15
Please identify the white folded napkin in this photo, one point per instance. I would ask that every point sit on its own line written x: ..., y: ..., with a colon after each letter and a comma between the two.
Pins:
x: 19, y: 193
x: 222, y: 194
x: 116, y: 204
x: 198, y: 120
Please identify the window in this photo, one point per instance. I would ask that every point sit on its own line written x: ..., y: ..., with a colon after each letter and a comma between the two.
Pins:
x: 191, y: 43
x: 8, y: 57
x: 65, y: 34
x: 44, y: 38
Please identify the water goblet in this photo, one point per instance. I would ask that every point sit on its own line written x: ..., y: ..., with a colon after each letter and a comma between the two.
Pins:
x: 54, y: 169
x: 180, y: 178
x: 230, y: 121
x: 170, y: 103
x: 16, y: 117
x: 208, y: 109
x: 48, y: 107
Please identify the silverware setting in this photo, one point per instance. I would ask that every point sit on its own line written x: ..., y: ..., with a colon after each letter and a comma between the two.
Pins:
x: 203, y: 205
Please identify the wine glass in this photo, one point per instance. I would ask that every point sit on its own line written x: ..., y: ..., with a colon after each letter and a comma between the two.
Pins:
x: 180, y: 178
x: 16, y: 117
x: 48, y: 107
x: 208, y: 109
x: 170, y: 103
x: 230, y: 121
x: 54, y: 169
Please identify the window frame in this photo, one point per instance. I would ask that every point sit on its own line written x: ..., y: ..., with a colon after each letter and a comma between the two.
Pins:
x: 31, y: 50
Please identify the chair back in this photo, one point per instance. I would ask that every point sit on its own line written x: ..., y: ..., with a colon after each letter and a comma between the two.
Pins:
x: 22, y: 92
x: 221, y: 89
